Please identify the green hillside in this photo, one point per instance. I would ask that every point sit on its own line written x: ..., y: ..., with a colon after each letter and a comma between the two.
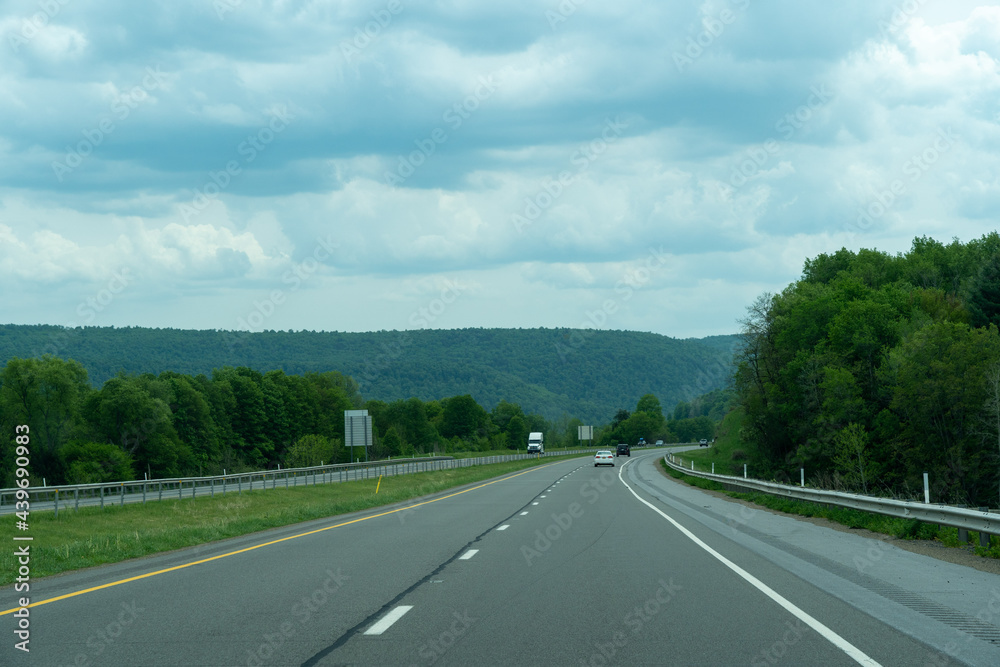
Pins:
x: 584, y: 373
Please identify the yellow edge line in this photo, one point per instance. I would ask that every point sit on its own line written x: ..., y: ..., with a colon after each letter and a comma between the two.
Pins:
x: 266, y: 544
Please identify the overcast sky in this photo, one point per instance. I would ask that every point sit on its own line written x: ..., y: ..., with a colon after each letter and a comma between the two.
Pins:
x: 357, y: 166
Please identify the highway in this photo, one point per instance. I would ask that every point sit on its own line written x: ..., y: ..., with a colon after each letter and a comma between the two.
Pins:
x: 563, y: 564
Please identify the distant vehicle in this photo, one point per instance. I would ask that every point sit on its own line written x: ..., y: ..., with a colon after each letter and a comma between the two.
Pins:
x: 604, y: 458
x: 623, y: 449
x: 535, y: 443
x: 703, y: 443
x: 642, y: 442
x: 659, y: 443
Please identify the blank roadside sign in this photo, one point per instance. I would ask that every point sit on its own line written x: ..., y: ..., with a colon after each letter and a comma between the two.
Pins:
x: 357, y: 428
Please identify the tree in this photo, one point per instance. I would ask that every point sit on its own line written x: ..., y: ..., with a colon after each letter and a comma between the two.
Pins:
x: 462, y: 417
x: 310, y: 450
x: 94, y: 462
x: 191, y: 415
x: 939, y: 391
x: 47, y: 395
x: 517, y: 433
x: 504, y: 412
x: 984, y: 294
x: 248, y: 417
x: 639, y: 425
x: 851, y: 457
x: 414, y: 427
x: 990, y: 417
x: 390, y: 444
x: 123, y: 413
x: 649, y: 404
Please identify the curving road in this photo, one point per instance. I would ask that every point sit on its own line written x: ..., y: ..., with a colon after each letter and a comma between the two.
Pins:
x: 563, y: 564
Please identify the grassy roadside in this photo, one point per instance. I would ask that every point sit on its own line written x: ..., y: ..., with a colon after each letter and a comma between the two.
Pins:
x: 726, y: 452
x: 95, y: 537
x: 909, y: 529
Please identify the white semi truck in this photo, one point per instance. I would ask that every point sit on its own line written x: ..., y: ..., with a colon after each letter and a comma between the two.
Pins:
x: 535, y: 443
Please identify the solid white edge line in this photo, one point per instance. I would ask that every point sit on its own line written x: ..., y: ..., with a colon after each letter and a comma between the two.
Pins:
x: 388, y: 620
x: 850, y: 649
x: 468, y: 554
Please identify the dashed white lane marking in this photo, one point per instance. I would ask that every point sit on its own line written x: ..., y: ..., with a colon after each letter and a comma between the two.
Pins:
x: 388, y: 620
x: 504, y: 527
x: 534, y: 503
x: 523, y: 513
x: 541, y: 496
x: 468, y: 554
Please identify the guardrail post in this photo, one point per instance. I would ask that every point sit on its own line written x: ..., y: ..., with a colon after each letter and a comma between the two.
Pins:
x: 102, y: 496
x: 57, y: 503
x: 927, y: 491
x: 802, y: 477
x: 76, y: 500
x: 180, y: 489
x: 159, y: 486
x: 692, y: 464
x: 744, y: 471
x: 213, y: 487
x: 239, y: 484
x: 713, y: 467
x: 963, y: 535
x: 122, y: 503
x: 194, y: 487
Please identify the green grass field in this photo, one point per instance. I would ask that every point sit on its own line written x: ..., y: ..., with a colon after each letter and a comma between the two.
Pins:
x: 93, y: 536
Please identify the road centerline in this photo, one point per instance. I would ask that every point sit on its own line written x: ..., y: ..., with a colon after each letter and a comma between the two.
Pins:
x: 387, y: 621
x: 182, y: 566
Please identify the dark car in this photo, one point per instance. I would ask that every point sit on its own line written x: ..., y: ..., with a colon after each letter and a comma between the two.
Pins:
x: 623, y: 449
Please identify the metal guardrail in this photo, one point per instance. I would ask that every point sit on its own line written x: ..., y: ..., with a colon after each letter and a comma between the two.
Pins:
x: 74, y: 496
x: 957, y: 517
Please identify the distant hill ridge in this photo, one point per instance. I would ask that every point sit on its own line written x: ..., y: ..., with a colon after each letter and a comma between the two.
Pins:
x: 585, y: 373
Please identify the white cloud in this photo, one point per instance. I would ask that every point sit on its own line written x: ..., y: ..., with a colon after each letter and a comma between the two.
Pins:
x: 668, y: 179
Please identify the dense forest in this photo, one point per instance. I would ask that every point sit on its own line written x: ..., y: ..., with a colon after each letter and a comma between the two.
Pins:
x: 874, y: 368
x: 239, y: 419
x: 587, y: 373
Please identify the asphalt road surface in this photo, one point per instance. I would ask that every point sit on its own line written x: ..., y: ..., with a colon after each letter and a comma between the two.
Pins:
x: 563, y: 564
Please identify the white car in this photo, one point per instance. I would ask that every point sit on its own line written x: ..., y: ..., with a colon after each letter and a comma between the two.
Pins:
x: 604, y: 457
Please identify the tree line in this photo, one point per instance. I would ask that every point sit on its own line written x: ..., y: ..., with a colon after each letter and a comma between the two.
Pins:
x: 688, y: 422
x: 237, y: 419
x: 875, y: 368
